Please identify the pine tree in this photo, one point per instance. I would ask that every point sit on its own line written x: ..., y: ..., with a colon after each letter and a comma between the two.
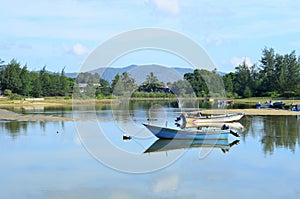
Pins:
x: 26, y: 82
x: 11, y: 77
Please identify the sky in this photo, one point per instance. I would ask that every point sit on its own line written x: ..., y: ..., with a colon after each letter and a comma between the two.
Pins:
x: 62, y: 33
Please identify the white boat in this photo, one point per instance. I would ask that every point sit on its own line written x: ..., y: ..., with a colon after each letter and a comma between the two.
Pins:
x: 231, y: 125
x: 197, y: 119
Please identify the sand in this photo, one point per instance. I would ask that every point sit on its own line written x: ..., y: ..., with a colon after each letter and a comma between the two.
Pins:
x: 12, y: 116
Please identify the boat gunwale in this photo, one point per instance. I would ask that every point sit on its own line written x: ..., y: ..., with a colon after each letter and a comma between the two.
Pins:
x: 211, y: 131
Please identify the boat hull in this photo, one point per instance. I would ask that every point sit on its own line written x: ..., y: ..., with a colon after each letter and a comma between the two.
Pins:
x: 168, y: 133
x: 214, y: 119
x: 231, y: 125
x: 279, y: 105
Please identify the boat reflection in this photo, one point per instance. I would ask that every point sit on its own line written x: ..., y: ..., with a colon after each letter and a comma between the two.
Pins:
x: 172, y: 144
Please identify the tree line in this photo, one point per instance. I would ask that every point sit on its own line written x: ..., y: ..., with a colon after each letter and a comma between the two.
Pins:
x: 89, y: 85
x: 17, y: 82
x: 275, y: 76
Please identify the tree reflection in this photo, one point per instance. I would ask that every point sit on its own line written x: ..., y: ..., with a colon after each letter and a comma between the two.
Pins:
x: 14, y: 128
x: 17, y: 128
x: 280, y: 132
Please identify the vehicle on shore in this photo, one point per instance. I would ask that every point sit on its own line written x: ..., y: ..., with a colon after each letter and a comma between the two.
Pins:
x: 295, y: 107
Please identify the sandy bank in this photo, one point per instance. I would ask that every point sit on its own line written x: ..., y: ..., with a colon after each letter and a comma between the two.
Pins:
x: 21, y: 103
x: 12, y: 116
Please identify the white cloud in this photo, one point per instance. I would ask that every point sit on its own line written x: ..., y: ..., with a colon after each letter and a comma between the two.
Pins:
x: 215, y: 41
x: 76, y: 49
x: 224, y: 28
x: 166, y: 184
x: 240, y: 60
x: 168, y: 6
x: 79, y: 49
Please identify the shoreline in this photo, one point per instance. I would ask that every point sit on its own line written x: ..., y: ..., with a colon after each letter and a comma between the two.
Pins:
x: 6, y: 115
x: 60, y: 101
x: 52, y: 102
x: 48, y: 103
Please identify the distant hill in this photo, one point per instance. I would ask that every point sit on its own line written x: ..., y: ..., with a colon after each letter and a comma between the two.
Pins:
x: 140, y: 72
x: 71, y: 75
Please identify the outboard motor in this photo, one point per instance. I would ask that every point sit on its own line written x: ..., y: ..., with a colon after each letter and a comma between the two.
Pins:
x: 225, y: 127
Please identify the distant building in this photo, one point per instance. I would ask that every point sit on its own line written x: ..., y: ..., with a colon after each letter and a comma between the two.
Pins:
x: 82, y: 86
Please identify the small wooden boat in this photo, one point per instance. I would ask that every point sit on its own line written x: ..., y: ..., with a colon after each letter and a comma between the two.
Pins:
x: 199, y: 118
x: 172, y: 133
x: 167, y: 145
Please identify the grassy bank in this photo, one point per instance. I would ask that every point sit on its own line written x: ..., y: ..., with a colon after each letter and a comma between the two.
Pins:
x: 53, y: 101
x: 61, y: 101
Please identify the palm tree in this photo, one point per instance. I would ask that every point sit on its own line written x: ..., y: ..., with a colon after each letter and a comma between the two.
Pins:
x: 151, y: 84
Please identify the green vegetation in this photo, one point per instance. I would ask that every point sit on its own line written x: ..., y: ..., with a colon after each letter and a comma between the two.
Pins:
x: 17, y: 81
x: 275, y: 76
x: 205, y: 83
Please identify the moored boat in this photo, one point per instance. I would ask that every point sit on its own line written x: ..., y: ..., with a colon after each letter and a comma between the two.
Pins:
x: 199, y: 118
x: 172, y: 133
x: 270, y: 104
x: 231, y: 125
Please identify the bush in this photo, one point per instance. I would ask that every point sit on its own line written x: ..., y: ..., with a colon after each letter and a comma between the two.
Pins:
x: 100, y: 96
x: 67, y: 98
x: 111, y: 97
x: 14, y: 96
x: 7, y: 92
x: 289, y: 94
x: 272, y: 94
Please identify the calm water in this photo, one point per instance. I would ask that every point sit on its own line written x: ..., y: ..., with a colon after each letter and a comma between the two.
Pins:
x: 89, y: 159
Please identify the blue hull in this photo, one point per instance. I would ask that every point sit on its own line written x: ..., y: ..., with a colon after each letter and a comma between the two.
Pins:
x: 168, y: 133
x: 167, y: 144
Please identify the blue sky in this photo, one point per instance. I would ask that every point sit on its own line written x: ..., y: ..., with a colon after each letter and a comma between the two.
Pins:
x: 62, y: 33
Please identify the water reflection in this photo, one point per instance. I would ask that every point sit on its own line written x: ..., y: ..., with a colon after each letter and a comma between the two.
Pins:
x: 166, y: 145
x: 148, y: 104
x: 15, y: 128
x: 270, y: 131
x: 280, y: 132
x: 274, y: 132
